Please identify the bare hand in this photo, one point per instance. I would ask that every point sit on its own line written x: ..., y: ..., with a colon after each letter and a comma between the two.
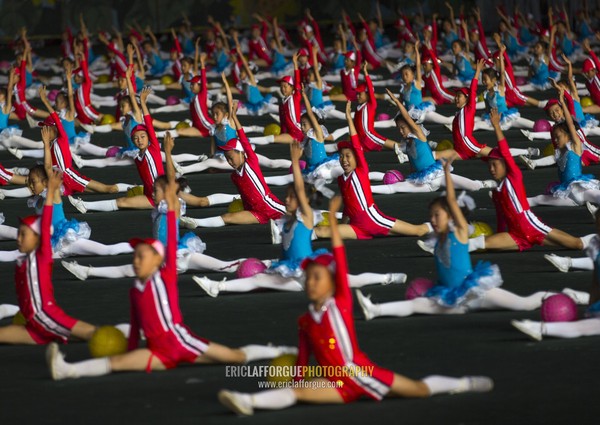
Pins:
x: 55, y: 179
x: 495, y: 117
x: 168, y: 142
x: 46, y: 135
x: 334, y: 206
x: 295, y: 151
x: 144, y: 94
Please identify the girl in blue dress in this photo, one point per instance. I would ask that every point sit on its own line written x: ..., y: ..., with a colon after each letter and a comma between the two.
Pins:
x: 574, y: 188
x: 460, y: 288
x: 296, y: 233
x: 428, y: 174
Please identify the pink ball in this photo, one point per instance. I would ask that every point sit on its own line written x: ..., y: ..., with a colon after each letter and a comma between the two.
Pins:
x: 559, y: 308
x: 392, y: 176
x: 302, y: 165
x: 542, y: 125
x: 52, y: 95
x: 520, y: 81
x: 549, y: 188
x: 444, y: 78
x: 112, y: 151
x: 383, y: 117
x: 418, y: 288
x: 173, y: 100
x: 250, y: 267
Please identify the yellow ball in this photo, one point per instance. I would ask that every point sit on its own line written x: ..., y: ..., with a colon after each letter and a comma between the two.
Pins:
x: 481, y: 229
x: 586, y: 101
x: 336, y: 90
x: 325, y: 221
x: 236, y: 205
x: 480, y: 98
x: 166, y: 80
x: 181, y: 125
x: 272, y: 130
x: 285, y: 364
x: 108, y: 119
x: 18, y: 319
x: 444, y: 145
x: 107, y: 341
x: 548, y: 150
x: 103, y: 78
x: 135, y: 191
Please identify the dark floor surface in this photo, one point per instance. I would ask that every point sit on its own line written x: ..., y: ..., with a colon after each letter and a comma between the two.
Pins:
x: 536, y: 383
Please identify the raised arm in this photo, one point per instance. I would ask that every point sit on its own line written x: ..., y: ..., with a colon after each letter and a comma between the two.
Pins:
x: 137, y: 113
x: 315, y: 60
x: 452, y: 17
x: 227, y: 90
x: 44, y: 98
x: 196, y: 56
x: 173, y: 208
x: 502, y: 85
x: 69, y: 76
x: 576, y: 141
x: 418, y: 77
x: 148, y: 118
x: 9, y: 89
x: 47, y: 140
x: 460, y: 222
x: 313, y: 119
x: 304, y: 203
x: 276, y: 35
x: 168, y: 145
x: 243, y: 59
x: 414, y: 127
x: 351, y: 127
x: 572, y: 86
x: 152, y: 37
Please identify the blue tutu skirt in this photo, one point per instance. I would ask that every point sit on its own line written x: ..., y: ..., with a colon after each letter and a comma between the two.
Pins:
x: 128, y: 152
x: 428, y: 175
x: 67, y: 232
x: 291, y: 268
x: 593, y: 310
x: 506, y: 118
x: 188, y: 244
x: 257, y: 108
x: 589, y: 121
x: 417, y: 112
x: 314, y: 172
x: 574, y: 189
x: 80, y: 138
x: 484, y: 276
x: 10, y: 131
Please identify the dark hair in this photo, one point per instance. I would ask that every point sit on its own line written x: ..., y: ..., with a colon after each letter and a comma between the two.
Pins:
x: 38, y: 170
x: 442, y: 202
x: 542, y: 44
x: 187, y: 60
x: 125, y: 99
x: 460, y: 43
x: 407, y: 66
x: 491, y: 73
x: 162, y: 181
x: 305, y: 116
x: 400, y: 119
x: 219, y: 106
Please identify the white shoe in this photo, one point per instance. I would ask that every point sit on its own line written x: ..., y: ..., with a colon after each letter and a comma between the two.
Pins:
x: 580, y: 297
x: 187, y: 222
x: 80, y: 272
x: 426, y: 247
x: 236, y: 402
x: 207, y: 285
x: 529, y: 328
x: 2, y: 195
x: 8, y: 310
x: 275, y: 117
x: 59, y: 369
x: 561, y: 263
x: 527, y: 134
x: 286, y: 349
x: 475, y: 384
x: 78, y: 203
x: 448, y: 126
x: 402, y: 157
x: 16, y: 152
x: 432, y: 144
x: 202, y: 158
x: 394, y: 278
x: 592, y: 209
x: 528, y: 162
x: 88, y: 127
x: 533, y: 152
x: 365, y: 304
x: 22, y: 171
x: 31, y: 121
x: 275, y: 232
x: 489, y: 184
x: 77, y: 160
x: 258, y: 128
x: 178, y: 169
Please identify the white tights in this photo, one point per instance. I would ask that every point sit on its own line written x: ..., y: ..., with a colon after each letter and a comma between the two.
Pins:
x: 8, y: 233
x: 591, y: 195
x: 89, y: 247
x: 461, y: 183
x: 586, y: 327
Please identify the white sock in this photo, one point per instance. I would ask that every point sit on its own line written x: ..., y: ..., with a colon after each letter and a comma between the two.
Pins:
x: 199, y: 261
x: 123, y: 187
x: 584, y: 263
x: 113, y: 272
x: 91, y: 149
x: 586, y: 327
x: 545, y: 161
x: 92, y: 367
x: 210, y: 222
x: 464, y: 183
x: 439, y: 384
x: 262, y: 140
x: 500, y: 298
x: 9, y: 256
x: 104, y: 128
x: 336, y: 134
x: 434, y: 117
x: 551, y: 200
x: 88, y: 247
x: 279, y: 180
x: 8, y: 232
x: 517, y: 151
x: 261, y: 280
x: 476, y: 243
x: 273, y: 399
x: 364, y: 279
x: 107, y: 162
x: 220, y: 198
x: 21, y: 192
x: 376, y: 176
x: 256, y: 352
x: 108, y: 205
x: 330, y: 148
x: 22, y: 142
x: 263, y: 161
x: 420, y: 305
